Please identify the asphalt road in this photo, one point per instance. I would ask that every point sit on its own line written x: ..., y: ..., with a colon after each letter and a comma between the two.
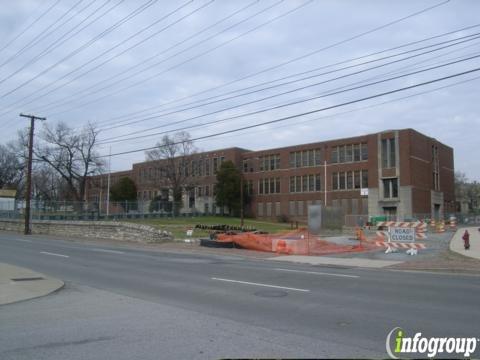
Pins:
x: 133, y: 304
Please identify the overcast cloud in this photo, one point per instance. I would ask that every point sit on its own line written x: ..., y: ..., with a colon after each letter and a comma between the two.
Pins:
x: 205, y: 44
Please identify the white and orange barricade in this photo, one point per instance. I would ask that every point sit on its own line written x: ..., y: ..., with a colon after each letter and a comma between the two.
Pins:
x: 421, y: 228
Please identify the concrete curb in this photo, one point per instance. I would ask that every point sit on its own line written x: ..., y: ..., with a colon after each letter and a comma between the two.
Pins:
x: 348, y: 262
x: 21, y: 284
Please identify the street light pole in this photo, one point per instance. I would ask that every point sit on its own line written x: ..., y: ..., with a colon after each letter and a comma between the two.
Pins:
x: 28, y: 194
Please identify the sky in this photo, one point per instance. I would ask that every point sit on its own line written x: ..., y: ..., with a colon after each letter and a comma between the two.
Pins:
x: 141, y: 69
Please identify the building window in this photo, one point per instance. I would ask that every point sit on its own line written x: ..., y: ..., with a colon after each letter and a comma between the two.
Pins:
x: 388, y: 153
x: 292, y: 160
x: 364, y: 152
x: 291, y: 208
x: 277, y: 208
x: 390, y: 188
x: 200, y: 191
x: 269, y: 162
x: 260, y: 209
x: 304, y: 158
x: 341, y: 181
x: 250, y: 187
x: 356, y: 152
x: 318, y: 155
x: 245, y: 165
x: 349, y: 180
x: 207, y: 167
x: 269, y: 186
x: 317, y: 183
x: 348, y: 153
x: 207, y: 190
x: 311, y: 158
x: 300, y: 207
x: 335, y: 181
x: 304, y: 183
x: 364, y: 179
x: 292, y: 184
x: 341, y: 154
x: 311, y: 183
x: 298, y: 184
x: 356, y: 179
x: 334, y: 155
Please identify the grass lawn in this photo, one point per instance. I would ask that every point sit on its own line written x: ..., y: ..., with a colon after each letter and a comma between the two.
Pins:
x: 178, y: 226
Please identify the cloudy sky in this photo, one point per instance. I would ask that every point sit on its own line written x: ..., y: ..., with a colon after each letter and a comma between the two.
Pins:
x: 140, y: 69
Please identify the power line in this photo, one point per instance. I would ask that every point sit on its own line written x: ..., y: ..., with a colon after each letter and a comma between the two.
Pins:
x: 63, y: 101
x: 62, y: 39
x: 141, y: 82
x: 113, y: 119
x: 30, y: 25
x: 130, y: 16
x: 336, y: 92
x: 346, y: 40
x: 283, y: 105
x: 310, y: 112
x: 41, y: 35
x: 114, y: 56
x: 163, y: 114
x: 272, y: 67
x: 362, y: 108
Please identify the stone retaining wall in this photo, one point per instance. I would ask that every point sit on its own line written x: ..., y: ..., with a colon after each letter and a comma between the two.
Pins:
x: 92, y: 229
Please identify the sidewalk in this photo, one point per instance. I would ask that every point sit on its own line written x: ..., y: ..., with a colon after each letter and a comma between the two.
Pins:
x: 456, y: 244
x: 323, y: 260
x: 18, y: 284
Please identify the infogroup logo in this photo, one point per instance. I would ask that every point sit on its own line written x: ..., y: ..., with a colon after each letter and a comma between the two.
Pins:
x: 398, y: 345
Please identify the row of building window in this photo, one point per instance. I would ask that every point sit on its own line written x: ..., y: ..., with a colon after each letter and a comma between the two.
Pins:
x: 347, y: 180
x: 300, y: 207
x: 196, y: 167
x: 269, y: 186
x: 305, y: 183
x: 349, y: 153
x: 306, y: 158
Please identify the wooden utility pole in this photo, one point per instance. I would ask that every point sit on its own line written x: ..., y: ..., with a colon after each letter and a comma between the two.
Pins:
x: 28, y: 193
x: 241, y: 200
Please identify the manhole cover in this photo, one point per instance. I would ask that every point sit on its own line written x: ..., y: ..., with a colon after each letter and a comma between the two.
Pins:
x: 271, y: 293
x: 27, y: 279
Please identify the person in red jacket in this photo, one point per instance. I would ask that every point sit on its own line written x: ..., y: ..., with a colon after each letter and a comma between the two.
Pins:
x: 466, y: 240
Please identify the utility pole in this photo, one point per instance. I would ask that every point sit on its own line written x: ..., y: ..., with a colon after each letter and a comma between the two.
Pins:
x: 241, y: 199
x: 28, y: 194
x: 108, y: 181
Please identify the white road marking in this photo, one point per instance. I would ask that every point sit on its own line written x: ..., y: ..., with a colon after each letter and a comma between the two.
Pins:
x: 53, y: 254
x: 24, y: 240
x: 318, y: 273
x: 259, y: 284
x: 108, y: 251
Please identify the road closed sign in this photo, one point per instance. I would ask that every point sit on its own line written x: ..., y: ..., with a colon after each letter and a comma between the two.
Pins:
x: 399, y: 234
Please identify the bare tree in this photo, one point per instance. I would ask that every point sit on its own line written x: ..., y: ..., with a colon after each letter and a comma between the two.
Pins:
x: 177, y: 154
x: 11, y: 167
x: 72, y: 154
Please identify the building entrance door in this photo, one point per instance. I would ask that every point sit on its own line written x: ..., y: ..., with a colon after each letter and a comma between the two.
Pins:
x: 436, y: 211
x: 390, y: 212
